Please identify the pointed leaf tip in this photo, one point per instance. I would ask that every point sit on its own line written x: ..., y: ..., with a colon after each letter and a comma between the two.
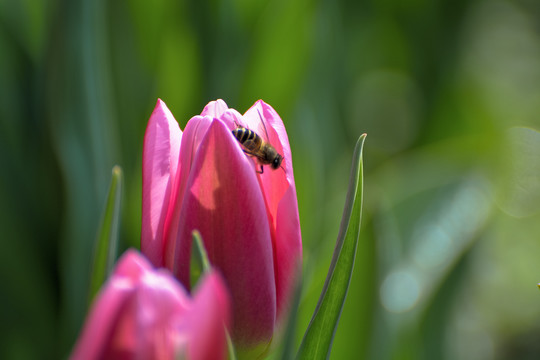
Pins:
x: 199, y: 264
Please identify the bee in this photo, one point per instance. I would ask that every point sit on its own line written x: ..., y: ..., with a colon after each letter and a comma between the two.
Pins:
x: 254, y: 145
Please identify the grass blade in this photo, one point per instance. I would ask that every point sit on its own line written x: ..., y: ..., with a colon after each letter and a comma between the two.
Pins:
x: 317, y: 341
x: 107, y: 236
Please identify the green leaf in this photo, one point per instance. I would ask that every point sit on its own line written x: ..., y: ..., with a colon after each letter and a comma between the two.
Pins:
x: 199, y: 258
x: 107, y: 236
x: 317, y: 341
x: 230, y: 347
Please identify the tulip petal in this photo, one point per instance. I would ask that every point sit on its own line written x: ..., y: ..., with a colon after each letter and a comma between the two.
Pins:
x: 131, y: 265
x: 100, y: 326
x: 194, y: 132
x: 280, y: 194
x: 232, y: 119
x: 161, y: 305
x: 223, y: 200
x: 288, y: 249
x: 208, y: 319
x: 160, y: 165
x: 105, y: 331
x: 214, y: 108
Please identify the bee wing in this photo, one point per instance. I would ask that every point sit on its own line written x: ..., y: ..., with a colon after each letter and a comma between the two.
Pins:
x: 254, y: 121
x: 248, y: 145
x: 266, y: 137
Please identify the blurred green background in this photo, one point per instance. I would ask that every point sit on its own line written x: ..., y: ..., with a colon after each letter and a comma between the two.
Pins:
x: 448, y: 92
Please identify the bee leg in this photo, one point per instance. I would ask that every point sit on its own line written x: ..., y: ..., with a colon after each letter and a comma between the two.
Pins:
x: 250, y: 153
x: 254, y: 155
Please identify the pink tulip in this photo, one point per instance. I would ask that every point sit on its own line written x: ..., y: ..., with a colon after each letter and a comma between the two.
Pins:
x: 202, y: 179
x: 142, y: 313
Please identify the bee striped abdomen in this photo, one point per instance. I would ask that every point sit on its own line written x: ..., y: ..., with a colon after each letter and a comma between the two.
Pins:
x: 248, y: 138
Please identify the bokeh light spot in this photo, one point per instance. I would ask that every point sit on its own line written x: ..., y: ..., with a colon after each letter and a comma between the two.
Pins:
x: 400, y: 291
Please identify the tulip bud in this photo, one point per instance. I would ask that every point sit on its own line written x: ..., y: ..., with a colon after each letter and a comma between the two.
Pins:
x: 248, y: 219
x: 142, y: 313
